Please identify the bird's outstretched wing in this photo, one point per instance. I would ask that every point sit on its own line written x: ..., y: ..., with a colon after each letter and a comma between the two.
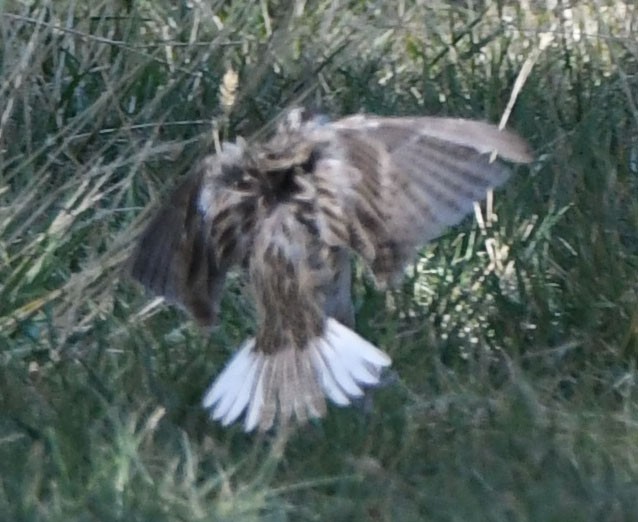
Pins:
x: 391, y: 185
x: 197, y: 236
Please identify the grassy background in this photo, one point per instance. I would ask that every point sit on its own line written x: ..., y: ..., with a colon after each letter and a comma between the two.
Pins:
x: 515, y: 345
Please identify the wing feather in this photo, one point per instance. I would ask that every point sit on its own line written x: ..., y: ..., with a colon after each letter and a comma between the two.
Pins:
x: 483, y: 137
x: 400, y: 182
x: 196, y: 237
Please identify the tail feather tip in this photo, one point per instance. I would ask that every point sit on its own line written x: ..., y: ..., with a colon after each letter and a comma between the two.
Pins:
x: 293, y: 382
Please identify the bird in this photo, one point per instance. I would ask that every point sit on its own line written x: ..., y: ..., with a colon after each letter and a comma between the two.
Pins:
x: 291, y: 212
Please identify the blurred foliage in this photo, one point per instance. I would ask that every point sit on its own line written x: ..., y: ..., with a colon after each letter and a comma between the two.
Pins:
x: 514, y: 343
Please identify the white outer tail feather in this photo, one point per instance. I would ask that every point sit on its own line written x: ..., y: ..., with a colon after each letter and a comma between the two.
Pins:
x: 293, y: 382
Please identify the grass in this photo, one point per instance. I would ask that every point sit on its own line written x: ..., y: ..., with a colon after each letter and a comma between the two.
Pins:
x: 514, y: 344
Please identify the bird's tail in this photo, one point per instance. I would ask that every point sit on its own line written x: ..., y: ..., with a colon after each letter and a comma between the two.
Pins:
x: 294, y: 382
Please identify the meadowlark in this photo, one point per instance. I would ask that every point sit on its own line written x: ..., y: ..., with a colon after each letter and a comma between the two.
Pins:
x: 290, y: 212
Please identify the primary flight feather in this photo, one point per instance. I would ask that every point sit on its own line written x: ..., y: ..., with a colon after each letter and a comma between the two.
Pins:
x: 290, y: 211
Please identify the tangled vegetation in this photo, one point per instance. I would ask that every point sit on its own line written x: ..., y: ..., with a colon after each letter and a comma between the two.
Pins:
x: 514, y: 338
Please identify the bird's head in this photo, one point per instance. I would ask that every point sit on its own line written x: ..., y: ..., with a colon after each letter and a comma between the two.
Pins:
x: 300, y: 119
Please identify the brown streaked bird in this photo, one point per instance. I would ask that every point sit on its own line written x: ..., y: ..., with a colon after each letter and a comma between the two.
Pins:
x: 291, y: 211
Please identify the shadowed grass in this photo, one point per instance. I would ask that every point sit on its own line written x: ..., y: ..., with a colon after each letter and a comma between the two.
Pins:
x: 514, y: 343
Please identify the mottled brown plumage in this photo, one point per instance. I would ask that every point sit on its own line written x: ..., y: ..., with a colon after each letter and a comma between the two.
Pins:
x: 291, y: 210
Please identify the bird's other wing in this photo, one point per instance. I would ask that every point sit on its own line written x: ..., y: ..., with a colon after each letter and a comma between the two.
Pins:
x: 203, y: 229
x: 390, y: 185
